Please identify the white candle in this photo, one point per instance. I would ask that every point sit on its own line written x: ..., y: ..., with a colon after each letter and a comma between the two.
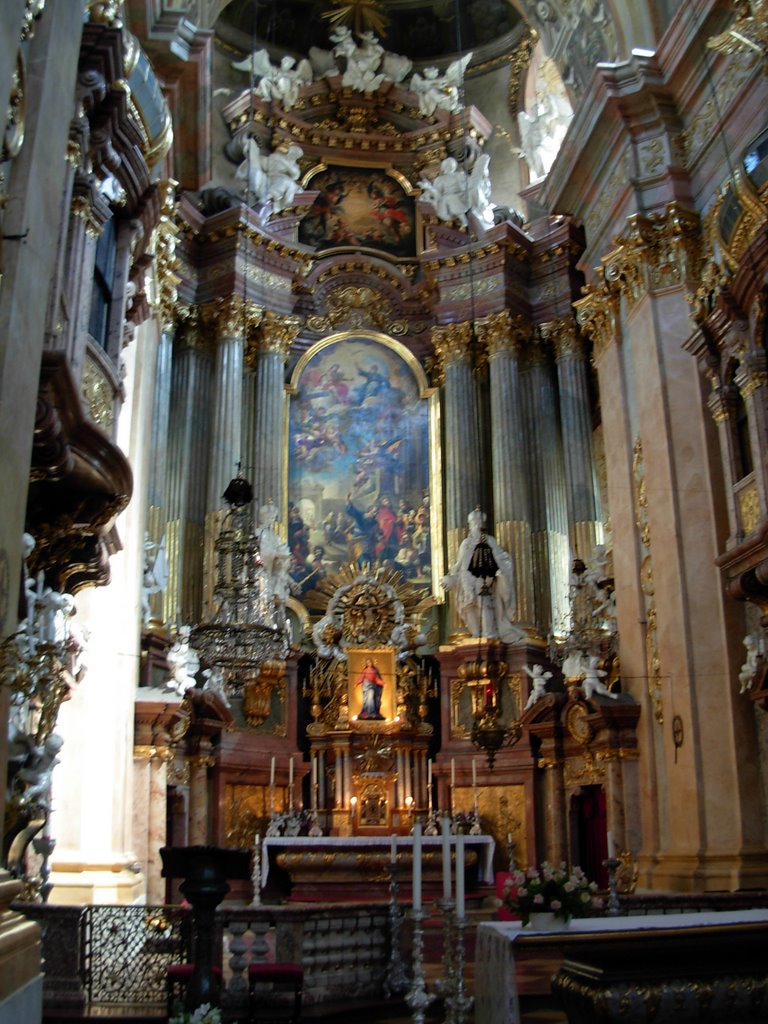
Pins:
x: 611, y: 847
x: 453, y: 773
x: 460, y: 876
x: 393, y: 848
x: 272, y: 772
x: 290, y: 771
x: 314, y: 771
x: 429, y: 773
x: 474, y: 773
x: 445, y: 826
x: 417, y: 866
x: 256, y: 840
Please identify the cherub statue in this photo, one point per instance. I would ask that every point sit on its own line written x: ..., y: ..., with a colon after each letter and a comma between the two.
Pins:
x: 184, y: 662
x: 755, y: 650
x: 538, y: 684
x: 440, y: 92
x: 593, y: 680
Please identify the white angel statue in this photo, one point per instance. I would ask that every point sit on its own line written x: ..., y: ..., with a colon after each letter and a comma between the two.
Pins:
x: 281, y: 82
x: 273, y: 177
x: 454, y: 193
x: 440, y: 92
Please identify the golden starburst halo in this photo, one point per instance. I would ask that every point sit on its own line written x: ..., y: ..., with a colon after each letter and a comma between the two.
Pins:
x: 359, y: 15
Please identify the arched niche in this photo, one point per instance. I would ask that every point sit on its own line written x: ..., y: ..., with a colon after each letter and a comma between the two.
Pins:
x: 363, y: 461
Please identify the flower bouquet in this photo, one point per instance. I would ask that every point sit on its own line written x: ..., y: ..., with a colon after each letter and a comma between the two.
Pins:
x: 205, y: 1014
x: 551, y: 889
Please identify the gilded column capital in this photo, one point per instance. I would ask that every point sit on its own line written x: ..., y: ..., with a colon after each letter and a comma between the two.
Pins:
x: 232, y: 317
x: 503, y: 332
x: 723, y: 403
x: 597, y: 316
x: 193, y: 328
x: 564, y: 337
x: 752, y: 373
x: 452, y: 344
x: 277, y: 335
x: 656, y: 252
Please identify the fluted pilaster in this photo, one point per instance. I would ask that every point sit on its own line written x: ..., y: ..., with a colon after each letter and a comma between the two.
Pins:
x: 502, y: 336
x: 582, y: 494
x: 462, y: 447
x: 549, y: 517
x: 267, y: 355
x: 191, y: 385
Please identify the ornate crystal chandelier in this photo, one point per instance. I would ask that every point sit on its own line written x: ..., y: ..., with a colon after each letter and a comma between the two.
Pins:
x: 248, y: 628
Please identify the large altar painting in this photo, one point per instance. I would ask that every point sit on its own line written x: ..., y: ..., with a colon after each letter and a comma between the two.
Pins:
x: 359, y: 208
x: 372, y: 684
x: 358, y: 485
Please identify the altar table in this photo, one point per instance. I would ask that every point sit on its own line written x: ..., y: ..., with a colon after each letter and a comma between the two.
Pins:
x: 378, y: 847
x: 496, y: 990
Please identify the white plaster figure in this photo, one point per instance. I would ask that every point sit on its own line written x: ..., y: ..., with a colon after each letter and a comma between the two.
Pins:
x: 273, y: 177
x: 184, y: 662
x: 593, y: 680
x: 440, y: 92
x: 754, y: 646
x: 275, y: 555
x: 538, y: 684
x: 281, y: 82
x: 155, y: 575
x: 37, y: 775
x: 453, y: 193
x: 484, y: 606
x: 214, y: 683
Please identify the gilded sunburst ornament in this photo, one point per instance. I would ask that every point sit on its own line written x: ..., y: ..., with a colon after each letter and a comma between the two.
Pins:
x: 359, y: 15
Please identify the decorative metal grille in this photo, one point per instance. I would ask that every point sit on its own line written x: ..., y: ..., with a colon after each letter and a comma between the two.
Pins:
x: 127, y: 951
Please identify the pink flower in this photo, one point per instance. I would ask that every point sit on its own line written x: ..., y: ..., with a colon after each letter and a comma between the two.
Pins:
x: 538, y: 899
x: 556, y: 905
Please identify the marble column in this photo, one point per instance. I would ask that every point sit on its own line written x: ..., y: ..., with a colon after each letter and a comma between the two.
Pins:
x: 556, y: 843
x: 267, y: 355
x: 549, y: 517
x: 156, y: 824
x: 199, y: 763
x: 585, y: 528
x: 191, y: 395
x: 503, y: 335
x: 227, y: 318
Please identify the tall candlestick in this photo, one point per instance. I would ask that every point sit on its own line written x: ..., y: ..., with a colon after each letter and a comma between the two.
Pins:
x: 417, y: 866
x: 460, y: 876
x: 445, y: 826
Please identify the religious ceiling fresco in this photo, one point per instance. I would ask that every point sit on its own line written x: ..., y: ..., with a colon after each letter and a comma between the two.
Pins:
x: 358, y: 465
x: 359, y: 208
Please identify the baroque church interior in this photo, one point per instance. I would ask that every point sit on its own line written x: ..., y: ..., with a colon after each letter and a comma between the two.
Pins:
x: 385, y: 442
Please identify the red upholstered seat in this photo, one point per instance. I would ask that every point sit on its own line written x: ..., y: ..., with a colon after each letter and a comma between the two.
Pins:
x: 268, y: 972
x: 289, y: 977
x: 178, y: 976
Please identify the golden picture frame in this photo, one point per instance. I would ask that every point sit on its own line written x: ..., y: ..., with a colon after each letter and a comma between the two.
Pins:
x: 372, y: 684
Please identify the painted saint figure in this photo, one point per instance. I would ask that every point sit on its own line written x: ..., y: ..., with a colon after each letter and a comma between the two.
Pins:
x: 373, y: 687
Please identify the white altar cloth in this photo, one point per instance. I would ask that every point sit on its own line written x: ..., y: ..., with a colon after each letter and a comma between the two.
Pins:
x: 496, y: 1000
x: 484, y: 845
